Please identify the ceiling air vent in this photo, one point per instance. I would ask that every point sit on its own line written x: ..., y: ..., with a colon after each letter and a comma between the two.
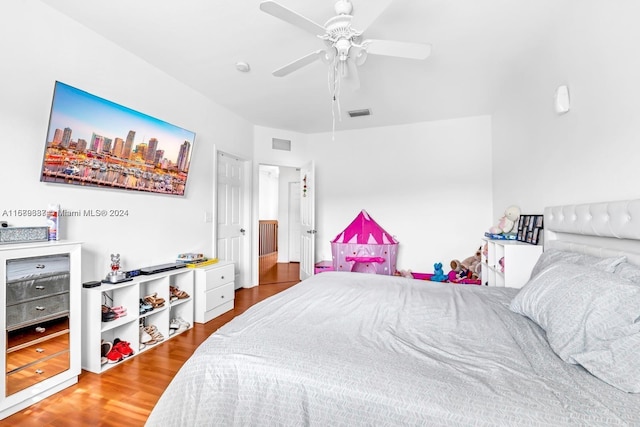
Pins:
x: 281, y: 144
x: 360, y: 113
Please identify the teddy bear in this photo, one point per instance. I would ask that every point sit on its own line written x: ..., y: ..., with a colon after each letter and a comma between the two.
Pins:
x: 468, y: 268
x: 508, y: 223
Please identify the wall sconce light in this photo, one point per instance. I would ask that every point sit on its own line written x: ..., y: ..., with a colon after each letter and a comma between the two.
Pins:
x: 562, y: 104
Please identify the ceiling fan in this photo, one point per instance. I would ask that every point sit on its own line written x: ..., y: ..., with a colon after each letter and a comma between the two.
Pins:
x: 345, y: 47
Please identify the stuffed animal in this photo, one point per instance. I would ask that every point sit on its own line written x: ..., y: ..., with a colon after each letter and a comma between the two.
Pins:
x: 468, y: 268
x: 508, y: 223
x: 438, y: 273
x: 404, y: 273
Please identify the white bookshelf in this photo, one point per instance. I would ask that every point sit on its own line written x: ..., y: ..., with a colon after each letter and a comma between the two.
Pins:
x: 519, y: 259
x: 127, y: 328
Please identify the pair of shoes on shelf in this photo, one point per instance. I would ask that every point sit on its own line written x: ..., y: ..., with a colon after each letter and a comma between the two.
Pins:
x: 154, y: 333
x: 154, y: 300
x: 177, y: 294
x: 105, y: 348
x: 120, y: 310
x: 145, y: 337
x: 178, y: 325
x: 119, y: 351
x: 108, y: 314
x: 144, y: 307
x: 112, y: 313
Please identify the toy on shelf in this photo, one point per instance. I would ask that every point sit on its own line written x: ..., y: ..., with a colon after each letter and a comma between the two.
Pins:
x: 468, y: 268
x: 116, y: 275
x: 364, y: 247
x: 508, y: 223
x: 438, y: 273
x: 404, y: 273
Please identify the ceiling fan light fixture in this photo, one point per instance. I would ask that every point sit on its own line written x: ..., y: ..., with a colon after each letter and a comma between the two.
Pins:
x: 343, y: 46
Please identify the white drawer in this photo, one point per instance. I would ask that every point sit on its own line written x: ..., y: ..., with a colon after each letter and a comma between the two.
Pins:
x: 219, y: 295
x: 219, y: 276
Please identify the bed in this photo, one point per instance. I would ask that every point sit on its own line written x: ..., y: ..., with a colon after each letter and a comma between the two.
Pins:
x: 355, y: 349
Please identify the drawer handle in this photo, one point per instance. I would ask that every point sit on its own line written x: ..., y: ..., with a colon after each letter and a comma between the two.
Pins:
x: 39, y: 350
x: 40, y: 287
x: 40, y: 308
x: 222, y: 296
x: 39, y: 371
x: 40, y: 329
x: 222, y: 277
x: 39, y: 265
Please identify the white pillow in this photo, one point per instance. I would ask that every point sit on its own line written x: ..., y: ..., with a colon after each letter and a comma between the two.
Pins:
x: 552, y: 256
x: 591, y: 318
x: 628, y: 271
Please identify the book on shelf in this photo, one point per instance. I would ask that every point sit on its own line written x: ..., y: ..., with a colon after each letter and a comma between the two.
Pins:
x: 190, y: 257
x: 500, y: 236
x: 202, y: 263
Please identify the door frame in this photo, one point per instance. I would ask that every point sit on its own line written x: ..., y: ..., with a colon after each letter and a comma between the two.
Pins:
x: 256, y: 210
x: 246, y: 255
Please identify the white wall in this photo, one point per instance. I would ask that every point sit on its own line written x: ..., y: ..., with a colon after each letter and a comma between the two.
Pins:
x: 40, y: 45
x: 590, y: 154
x: 268, y: 190
x: 429, y: 184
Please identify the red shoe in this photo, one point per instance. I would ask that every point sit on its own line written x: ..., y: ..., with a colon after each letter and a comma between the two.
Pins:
x: 114, y: 356
x: 123, y: 348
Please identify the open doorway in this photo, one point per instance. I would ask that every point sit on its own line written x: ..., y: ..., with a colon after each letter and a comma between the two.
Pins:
x: 279, y: 224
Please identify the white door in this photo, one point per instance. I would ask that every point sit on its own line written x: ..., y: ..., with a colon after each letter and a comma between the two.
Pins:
x: 232, y: 216
x: 294, y: 221
x: 307, y: 220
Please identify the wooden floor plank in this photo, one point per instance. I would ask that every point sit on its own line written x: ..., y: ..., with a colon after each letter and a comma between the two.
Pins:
x: 126, y: 394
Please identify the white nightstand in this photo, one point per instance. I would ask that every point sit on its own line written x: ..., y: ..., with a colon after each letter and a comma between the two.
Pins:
x: 214, y: 290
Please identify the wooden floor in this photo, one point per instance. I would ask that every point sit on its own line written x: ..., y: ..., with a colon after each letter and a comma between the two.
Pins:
x: 125, y: 395
x: 281, y: 272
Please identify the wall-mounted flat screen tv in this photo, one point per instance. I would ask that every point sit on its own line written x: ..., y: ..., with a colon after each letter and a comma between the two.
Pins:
x: 93, y: 142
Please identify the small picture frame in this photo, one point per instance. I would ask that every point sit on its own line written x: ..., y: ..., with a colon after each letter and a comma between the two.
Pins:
x: 530, y: 228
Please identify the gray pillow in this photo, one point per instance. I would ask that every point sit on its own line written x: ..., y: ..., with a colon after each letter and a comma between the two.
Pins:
x: 552, y: 256
x: 591, y: 318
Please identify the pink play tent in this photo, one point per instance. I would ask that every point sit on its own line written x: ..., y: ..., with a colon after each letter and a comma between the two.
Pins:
x: 364, y: 247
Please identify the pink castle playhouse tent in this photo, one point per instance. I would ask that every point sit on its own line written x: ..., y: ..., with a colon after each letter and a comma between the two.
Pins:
x: 364, y: 247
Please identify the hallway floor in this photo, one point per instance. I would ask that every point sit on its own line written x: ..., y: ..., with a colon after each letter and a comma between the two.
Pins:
x: 282, y: 272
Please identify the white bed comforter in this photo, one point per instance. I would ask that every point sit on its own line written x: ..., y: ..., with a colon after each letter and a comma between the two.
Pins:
x: 350, y: 349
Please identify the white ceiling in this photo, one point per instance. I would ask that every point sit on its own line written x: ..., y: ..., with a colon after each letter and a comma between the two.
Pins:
x: 198, y: 42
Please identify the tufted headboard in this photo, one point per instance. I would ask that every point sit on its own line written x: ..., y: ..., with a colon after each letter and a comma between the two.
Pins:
x: 602, y: 229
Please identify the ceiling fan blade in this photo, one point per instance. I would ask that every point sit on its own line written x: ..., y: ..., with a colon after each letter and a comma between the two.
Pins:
x: 364, y: 16
x: 398, y: 49
x: 299, y: 63
x: 294, y: 18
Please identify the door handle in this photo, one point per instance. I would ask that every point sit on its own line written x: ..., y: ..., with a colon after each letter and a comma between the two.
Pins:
x: 311, y: 231
x: 242, y: 230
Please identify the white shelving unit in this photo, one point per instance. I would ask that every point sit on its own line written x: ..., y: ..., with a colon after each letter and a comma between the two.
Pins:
x: 519, y: 259
x: 41, y: 321
x: 127, y: 328
x: 215, y: 291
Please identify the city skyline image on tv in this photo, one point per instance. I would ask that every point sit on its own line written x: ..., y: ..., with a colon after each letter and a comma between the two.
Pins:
x: 97, y: 143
